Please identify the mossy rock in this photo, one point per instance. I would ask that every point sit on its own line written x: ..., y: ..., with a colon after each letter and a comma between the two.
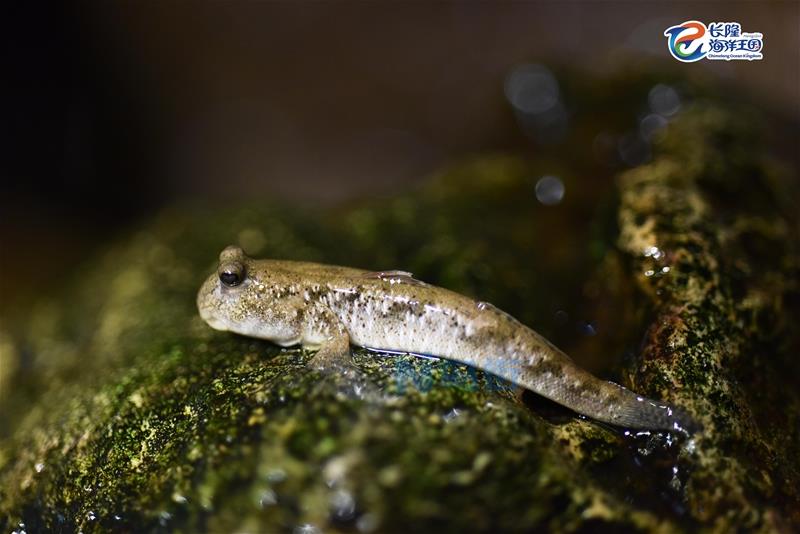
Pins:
x: 153, y: 421
x: 714, y: 250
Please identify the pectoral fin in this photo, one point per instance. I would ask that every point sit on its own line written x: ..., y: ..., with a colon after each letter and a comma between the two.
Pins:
x: 333, y: 353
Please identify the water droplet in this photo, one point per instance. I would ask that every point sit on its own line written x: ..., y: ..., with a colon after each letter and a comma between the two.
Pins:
x: 549, y: 190
x: 533, y: 92
x: 343, y: 505
x: 532, y: 89
x: 664, y: 100
x: 653, y: 252
x: 164, y: 517
x: 675, y: 482
x: 650, y: 125
x: 452, y: 414
x: 306, y: 529
x: 276, y: 475
x: 267, y: 498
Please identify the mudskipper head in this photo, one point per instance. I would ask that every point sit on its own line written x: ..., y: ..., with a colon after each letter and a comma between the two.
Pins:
x: 224, y: 299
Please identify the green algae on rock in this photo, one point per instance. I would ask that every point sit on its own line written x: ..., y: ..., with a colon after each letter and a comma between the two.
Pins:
x: 152, y: 421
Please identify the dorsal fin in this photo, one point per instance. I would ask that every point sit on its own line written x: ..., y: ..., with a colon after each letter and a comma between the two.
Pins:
x: 394, y: 277
x: 483, y: 305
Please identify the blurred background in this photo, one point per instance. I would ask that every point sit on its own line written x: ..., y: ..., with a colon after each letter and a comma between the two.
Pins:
x: 113, y: 111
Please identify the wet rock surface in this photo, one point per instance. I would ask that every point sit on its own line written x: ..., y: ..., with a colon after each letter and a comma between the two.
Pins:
x: 128, y: 413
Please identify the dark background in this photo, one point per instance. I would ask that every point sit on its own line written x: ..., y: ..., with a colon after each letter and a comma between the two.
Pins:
x: 111, y: 111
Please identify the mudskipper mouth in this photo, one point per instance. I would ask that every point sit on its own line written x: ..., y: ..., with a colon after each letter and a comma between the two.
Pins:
x: 214, y: 322
x: 210, y: 318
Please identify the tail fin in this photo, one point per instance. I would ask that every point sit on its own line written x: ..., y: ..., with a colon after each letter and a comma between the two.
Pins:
x: 634, y: 411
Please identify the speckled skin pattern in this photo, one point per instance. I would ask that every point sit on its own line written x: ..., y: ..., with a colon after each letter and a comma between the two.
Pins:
x: 329, y: 308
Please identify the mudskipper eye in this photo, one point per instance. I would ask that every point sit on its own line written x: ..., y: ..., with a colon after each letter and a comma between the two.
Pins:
x: 231, y: 274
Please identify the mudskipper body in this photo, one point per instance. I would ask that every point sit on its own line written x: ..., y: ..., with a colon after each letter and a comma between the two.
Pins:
x: 330, y: 308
